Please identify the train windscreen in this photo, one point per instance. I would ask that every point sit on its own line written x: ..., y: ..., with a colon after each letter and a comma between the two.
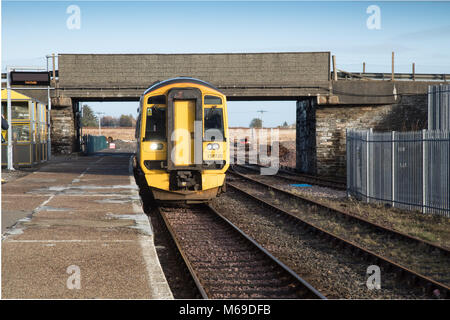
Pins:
x: 213, y: 122
x: 155, y: 128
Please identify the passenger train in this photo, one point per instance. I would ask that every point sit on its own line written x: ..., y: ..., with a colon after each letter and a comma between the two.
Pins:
x: 182, y: 140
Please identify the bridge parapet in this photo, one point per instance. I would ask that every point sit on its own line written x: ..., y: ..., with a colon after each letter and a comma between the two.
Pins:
x: 220, y: 69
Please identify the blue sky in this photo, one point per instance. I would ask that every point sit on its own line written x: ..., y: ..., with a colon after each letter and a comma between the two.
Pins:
x: 417, y: 31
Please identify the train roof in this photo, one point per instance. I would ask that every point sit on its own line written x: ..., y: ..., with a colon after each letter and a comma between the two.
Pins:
x: 163, y: 83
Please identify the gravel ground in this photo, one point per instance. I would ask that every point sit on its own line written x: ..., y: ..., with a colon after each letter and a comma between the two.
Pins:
x: 435, y: 265
x: 337, y: 274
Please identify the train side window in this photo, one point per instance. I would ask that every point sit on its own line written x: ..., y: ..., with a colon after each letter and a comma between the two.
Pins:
x: 213, y: 122
x: 212, y: 100
x: 155, y: 128
x: 138, y: 127
x: 157, y: 100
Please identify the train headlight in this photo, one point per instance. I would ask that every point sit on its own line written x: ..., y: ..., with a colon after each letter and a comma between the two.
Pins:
x: 212, y: 146
x: 156, y: 146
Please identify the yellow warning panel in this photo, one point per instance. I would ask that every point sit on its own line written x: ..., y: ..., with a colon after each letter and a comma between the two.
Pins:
x: 184, y: 115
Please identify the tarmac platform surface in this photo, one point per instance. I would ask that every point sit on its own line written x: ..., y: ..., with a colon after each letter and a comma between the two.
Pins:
x: 76, y: 229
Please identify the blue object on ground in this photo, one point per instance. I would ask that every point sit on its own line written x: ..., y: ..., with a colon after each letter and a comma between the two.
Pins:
x: 301, y: 185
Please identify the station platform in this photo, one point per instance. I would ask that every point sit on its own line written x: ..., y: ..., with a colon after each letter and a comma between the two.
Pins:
x: 75, y: 229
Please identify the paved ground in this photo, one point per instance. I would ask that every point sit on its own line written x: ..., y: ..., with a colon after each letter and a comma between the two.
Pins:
x: 78, y: 231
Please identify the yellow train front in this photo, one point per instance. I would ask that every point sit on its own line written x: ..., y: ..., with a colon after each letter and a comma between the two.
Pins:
x: 182, y: 140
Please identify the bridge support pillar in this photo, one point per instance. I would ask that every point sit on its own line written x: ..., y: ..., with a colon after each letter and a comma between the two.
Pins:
x: 62, y: 125
x: 410, y: 114
x: 306, y: 159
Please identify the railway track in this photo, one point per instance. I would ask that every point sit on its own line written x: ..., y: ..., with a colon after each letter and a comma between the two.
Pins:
x: 226, y: 263
x: 346, y: 215
x: 431, y: 286
x: 294, y: 177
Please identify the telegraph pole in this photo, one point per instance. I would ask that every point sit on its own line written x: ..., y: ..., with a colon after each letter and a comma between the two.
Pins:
x: 99, y: 123
x: 261, y: 111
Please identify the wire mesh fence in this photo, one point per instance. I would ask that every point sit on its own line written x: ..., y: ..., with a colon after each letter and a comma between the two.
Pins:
x: 408, y: 170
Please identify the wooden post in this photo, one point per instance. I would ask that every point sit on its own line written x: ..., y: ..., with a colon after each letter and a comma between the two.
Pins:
x: 414, y: 71
x: 54, y: 72
x: 392, y: 77
x: 334, y: 68
x: 364, y: 67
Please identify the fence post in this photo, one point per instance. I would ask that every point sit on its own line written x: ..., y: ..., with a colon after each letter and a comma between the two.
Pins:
x: 347, y: 146
x: 334, y: 68
x: 393, y: 169
x: 424, y: 175
x: 368, y: 133
x: 393, y: 74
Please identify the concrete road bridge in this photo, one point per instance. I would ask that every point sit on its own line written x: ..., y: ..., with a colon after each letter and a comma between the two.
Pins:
x: 328, y: 101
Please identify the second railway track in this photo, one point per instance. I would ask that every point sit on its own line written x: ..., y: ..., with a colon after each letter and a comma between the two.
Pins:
x: 431, y: 261
x: 294, y: 177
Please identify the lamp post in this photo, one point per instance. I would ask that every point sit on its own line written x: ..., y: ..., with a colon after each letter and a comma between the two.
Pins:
x: 99, y: 123
x: 8, y: 106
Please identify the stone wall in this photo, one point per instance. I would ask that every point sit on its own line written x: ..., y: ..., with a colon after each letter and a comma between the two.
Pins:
x: 409, y: 114
x: 62, y: 124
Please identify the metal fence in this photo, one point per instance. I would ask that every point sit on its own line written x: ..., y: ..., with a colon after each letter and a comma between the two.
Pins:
x: 94, y: 143
x: 408, y: 170
x: 439, y: 107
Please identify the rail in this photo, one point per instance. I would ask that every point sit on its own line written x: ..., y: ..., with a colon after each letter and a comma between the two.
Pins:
x: 191, y: 231
x: 413, y: 278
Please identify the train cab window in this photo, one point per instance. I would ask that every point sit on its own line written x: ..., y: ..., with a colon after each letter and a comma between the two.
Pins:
x: 212, y: 100
x: 213, y: 122
x: 155, y: 128
x: 157, y: 100
x: 138, y: 126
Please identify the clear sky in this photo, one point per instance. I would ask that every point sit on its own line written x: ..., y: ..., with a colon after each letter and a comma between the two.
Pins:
x: 417, y: 31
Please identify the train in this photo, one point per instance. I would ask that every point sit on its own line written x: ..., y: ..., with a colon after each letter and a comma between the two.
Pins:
x: 182, y: 138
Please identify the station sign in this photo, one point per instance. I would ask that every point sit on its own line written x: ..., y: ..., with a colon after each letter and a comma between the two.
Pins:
x: 30, y: 78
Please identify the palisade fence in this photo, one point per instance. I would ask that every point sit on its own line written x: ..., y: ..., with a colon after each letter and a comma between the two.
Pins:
x: 408, y: 170
x: 439, y: 107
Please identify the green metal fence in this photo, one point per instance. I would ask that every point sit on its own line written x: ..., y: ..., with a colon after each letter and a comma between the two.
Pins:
x: 93, y: 144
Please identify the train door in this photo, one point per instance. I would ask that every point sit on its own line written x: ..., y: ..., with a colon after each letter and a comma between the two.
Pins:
x: 183, y: 134
x: 184, y: 129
